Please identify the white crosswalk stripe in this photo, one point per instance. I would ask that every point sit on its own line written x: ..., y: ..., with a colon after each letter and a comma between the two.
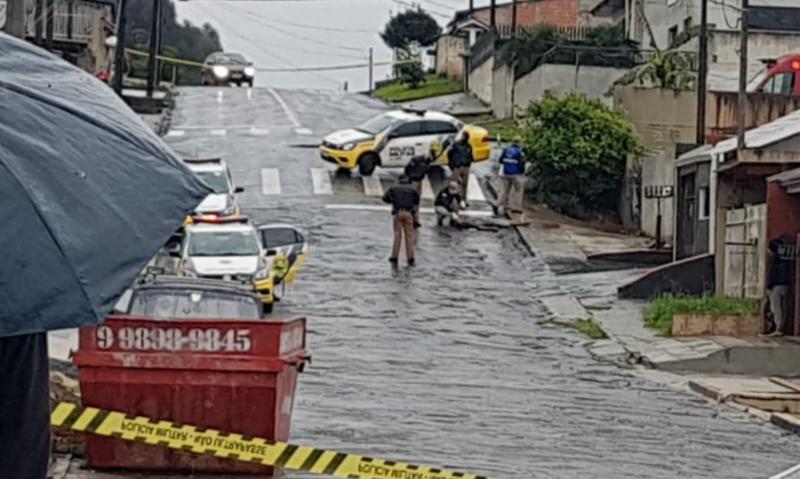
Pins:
x: 321, y: 181
x: 175, y: 133
x: 270, y: 181
x: 372, y: 186
x: 474, y: 190
x: 219, y: 132
x: 259, y: 131
x: 303, y: 131
x: 427, y: 189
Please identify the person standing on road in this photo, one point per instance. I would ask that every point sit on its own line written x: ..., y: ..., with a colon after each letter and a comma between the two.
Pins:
x: 779, y: 278
x: 459, y: 159
x: 404, y: 200
x: 447, y: 204
x: 513, y: 164
x: 415, y: 170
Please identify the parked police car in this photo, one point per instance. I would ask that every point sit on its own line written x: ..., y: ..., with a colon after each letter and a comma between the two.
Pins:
x: 215, y: 173
x: 391, y: 139
x: 226, y: 249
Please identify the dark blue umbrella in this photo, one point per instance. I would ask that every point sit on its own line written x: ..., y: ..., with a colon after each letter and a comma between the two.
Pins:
x: 88, y: 193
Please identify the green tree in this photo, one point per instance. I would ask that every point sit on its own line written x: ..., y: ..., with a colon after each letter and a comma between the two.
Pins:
x: 665, y: 69
x: 411, y: 27
x: 183, y: 40
x: 577, y: 148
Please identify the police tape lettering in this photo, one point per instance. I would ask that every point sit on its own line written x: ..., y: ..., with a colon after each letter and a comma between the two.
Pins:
x: 234, y: 446
x: 210, y: 340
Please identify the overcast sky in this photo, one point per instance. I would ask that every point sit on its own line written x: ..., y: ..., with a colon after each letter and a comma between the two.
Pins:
x: 308, y: 33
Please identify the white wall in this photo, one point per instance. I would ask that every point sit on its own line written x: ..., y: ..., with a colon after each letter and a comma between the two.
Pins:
x: 480, y: 81
x: 669, y: 13
x: 592, y: 81
x: 502, y: 91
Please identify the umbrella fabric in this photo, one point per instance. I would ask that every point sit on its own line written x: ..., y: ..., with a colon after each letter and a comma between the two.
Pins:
x: 88, y: 193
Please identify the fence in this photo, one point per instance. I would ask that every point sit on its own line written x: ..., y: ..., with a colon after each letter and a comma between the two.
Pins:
x: 505, y: 32
x: 72, y: 21
x: 482, y: 50
x: 585, y: 55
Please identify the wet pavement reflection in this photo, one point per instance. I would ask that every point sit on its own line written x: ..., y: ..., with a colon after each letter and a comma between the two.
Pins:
x: 452, y: 363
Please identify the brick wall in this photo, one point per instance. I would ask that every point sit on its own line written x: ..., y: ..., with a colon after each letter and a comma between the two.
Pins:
x: 561, y: 13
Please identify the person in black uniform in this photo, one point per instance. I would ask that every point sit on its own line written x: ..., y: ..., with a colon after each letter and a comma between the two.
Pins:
x: 404, y: 200
x: 459, y: 159
x: 415, y: 170
x: 447, y: 204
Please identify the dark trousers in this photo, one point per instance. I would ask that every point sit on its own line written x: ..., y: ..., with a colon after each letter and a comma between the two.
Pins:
x: 461, y: 175
x: 25, y: 407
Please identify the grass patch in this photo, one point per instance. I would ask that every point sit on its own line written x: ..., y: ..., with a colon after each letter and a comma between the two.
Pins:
x: 434, y: 85
x: 659, y: 313
x: 505, y: 129
x: 590, y: 328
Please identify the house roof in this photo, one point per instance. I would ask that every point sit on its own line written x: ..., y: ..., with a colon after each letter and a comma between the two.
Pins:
x: 765, y: 135
x: 787, y: 177
x: 611, y: 4
x: 698, y: 155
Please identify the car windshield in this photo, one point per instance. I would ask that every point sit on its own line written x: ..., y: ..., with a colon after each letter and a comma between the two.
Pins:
x: 223, y: 243
x: 217, y: 180
x: 231, y: 59
x: 183, y: 304
x: 379, y: 123
x: 276, y: 237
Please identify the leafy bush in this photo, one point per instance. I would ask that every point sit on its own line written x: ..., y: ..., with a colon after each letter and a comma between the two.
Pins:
x: 665, y: 69
x: 411, y: 74
x: 530, y: 43
x: 577, y: 148
x: 412, y: 26
x: 659, y: 313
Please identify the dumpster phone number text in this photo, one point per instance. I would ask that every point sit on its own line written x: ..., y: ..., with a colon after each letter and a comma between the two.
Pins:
x: 172, y: 339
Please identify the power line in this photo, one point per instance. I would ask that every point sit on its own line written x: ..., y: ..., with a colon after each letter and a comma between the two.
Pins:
x: 302, y: 37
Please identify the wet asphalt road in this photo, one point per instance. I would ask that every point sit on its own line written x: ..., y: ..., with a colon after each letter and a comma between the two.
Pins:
x: 449, y: 364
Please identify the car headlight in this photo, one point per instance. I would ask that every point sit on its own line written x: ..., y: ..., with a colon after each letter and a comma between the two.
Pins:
x: 220, y: 71
x: 263, y: 270
x: 250, y: 71
x: 348, y: 146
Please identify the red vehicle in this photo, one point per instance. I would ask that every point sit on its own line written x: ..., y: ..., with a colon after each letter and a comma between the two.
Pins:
x: 779, y: 77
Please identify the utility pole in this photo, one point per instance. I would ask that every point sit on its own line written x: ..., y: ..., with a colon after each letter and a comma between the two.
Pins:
x: 702, y: 74
x: 513, y: 18
x: 152, y: 60
x: 471, y: 5
x: 370, y: 71
x: 742, y: 113
x: 15, y: 18
x: 48, y: 26
x: 119, y: 53
x: 493, y: 15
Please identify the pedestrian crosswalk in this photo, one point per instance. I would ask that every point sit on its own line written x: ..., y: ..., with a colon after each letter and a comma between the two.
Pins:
x: 324, y: 182
x: 239, y: 130
x: 270, y: 181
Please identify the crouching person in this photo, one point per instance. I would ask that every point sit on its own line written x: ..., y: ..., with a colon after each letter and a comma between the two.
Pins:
x: 448, y: 204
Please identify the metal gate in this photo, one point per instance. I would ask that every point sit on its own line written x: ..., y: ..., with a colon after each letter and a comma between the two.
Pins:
x: 745, y: 251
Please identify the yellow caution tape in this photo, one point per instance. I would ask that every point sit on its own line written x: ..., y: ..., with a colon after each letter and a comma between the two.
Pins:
x: 235, y: 446
x: 163, y: 58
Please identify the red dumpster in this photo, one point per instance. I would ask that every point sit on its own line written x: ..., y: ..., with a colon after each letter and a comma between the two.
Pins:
x: 234, y: 376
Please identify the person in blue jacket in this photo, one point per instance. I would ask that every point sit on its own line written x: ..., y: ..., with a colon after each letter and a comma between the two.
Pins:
x: 513, y: 175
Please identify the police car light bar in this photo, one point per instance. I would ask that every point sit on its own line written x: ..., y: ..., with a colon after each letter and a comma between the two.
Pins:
x: 202, y: 160
x: 215, y: 218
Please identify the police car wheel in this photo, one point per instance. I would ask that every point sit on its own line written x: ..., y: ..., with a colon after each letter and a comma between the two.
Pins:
x: 367, y: 164
x: 268, y: 308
